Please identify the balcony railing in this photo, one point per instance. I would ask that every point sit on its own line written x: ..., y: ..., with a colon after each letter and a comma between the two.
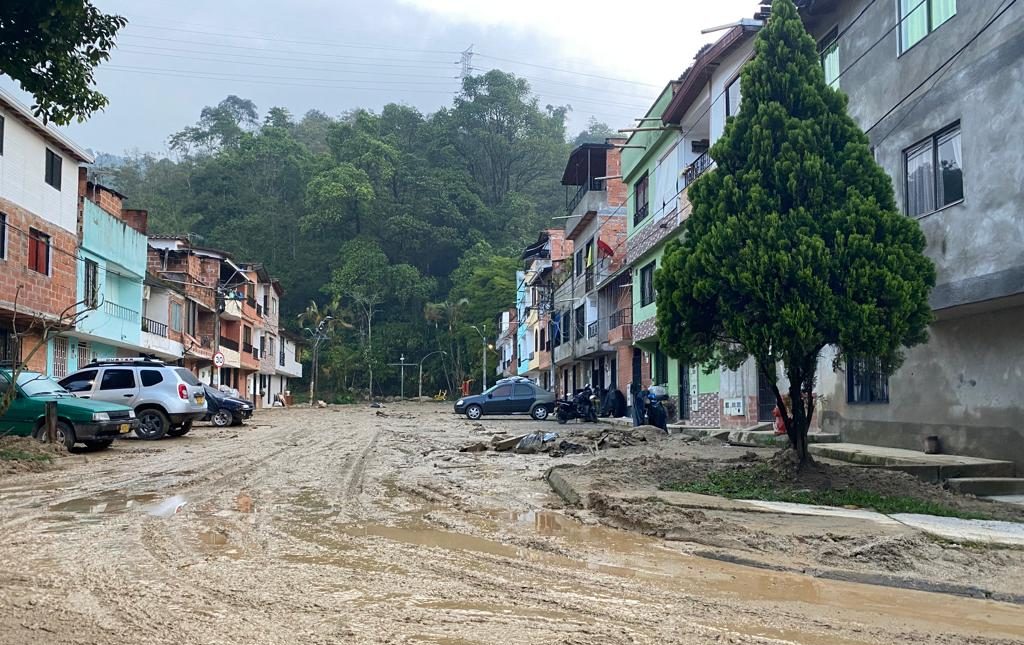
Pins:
x: 591, y: 184
x: 256, y: 353
x: 640, y: 214
x: 247, y: 348
x: 620, y: 318
x: 117, y: 311
x: 259, y: 310
x: 592, y: 329
x: 227, y: 343
x: 154, y: 327
x: 251, y: 302
x: 699, y: 166
x: 280, y: 358
x: 589, y: 279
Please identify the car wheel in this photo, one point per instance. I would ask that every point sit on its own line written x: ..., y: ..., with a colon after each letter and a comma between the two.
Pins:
x: 539, y: 413
x: 153, y: 424
x: 179, y: 431
x: 65, y: 435
x: 222, y: 418
x: 474, y: 412
x: 99, y: 445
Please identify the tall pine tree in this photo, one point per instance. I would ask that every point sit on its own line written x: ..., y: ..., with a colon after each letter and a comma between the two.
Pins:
x: 795, y: 242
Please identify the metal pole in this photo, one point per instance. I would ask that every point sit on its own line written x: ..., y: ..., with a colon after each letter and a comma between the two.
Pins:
x: 485, y: 363
x: 420, y: 395
x: 218, y: 298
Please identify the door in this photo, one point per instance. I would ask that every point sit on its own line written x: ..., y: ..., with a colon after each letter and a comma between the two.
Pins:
x: 80, y: 383
x: 523, y: 396
x: 765, y: 398
x: 117, y: 385
x: 637, y: 373
x: 498, y: 400
x: 684, y: 391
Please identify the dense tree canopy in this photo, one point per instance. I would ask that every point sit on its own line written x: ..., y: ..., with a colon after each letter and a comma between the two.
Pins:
x: 52, y: 48
x: 795, y: 242
x: 391, y: 214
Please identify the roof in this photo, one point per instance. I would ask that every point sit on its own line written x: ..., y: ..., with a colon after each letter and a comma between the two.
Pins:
x: 154, y: 280
x: 696, y: 78
x: 96, y: 184
x: 51, y: 134
x: 537, y: 247
x: 583, y: 164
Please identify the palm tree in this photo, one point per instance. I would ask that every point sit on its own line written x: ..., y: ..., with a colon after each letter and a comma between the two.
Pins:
x: 451, y: 314
x: 320, y: 322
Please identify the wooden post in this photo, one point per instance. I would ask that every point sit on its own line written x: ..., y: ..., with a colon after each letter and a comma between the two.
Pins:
x: 51, y: 421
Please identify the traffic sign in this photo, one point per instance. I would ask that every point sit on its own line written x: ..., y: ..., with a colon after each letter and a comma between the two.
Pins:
x: 218, y: 359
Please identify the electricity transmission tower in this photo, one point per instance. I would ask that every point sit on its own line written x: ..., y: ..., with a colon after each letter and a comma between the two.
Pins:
x: 467, y: 63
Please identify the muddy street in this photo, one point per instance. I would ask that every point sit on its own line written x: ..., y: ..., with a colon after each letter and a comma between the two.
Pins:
x: 341, y: 525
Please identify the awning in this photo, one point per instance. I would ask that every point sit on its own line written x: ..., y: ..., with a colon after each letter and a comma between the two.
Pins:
x: 603, y: 247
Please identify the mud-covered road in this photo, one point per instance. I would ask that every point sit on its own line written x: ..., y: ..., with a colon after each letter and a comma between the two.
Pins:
x: 342, y: 526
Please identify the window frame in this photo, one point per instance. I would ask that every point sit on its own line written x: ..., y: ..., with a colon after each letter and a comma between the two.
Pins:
x: 641, y: 213
x: 3, y: 236
x: 859, y: 365
x: 38, y: 239
x: 2, y: 132
x: 118, y: 370
x: 54, y: 169
x: 828, y: 45
x: 91, y: 284
x: 177, y: 308
x: 933, y: 140
x: 648, y: 296
x: 739, y: 91
x: 903, y: 48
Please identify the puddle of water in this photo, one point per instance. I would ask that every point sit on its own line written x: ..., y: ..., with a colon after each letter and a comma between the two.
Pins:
x: 244, y: 503
x: 213, y: 538
x: 110, y: 502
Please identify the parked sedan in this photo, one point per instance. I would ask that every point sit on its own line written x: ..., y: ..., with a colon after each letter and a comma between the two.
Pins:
x: 508, y: 397
x: 94, y: 423
x: 224, y: 410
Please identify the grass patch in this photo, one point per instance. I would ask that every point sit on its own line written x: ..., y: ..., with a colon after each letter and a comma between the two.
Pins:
x: 760, y: 482
x: 16, y: 454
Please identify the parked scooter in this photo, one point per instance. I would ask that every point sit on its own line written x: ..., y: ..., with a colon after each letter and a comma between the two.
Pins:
x: 583, y: 405
x: 657, y: 416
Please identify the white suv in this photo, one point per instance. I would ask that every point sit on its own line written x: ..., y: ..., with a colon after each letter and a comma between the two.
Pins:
x: 166, y: 398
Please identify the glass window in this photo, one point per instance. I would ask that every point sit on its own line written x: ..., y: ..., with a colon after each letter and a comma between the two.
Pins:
x: 35, y: 384
x: 92, y: 287
x: 866, y: 382
x: 117, y: 379
x: 934, y: 172
x: 918, y: 18
x: 176, y: 316
x: 733, y: 98
x: 39, y: 251
x: 581, y: 322
x: 150, y: 377
x: 1, y: 135
x: 829, y: 48
x: 80, y: 381
x: 502, y: 390
x: 647, y: 294
x: 640, y: 205
x: 53, y: 168
x: 523, y: 391
x: 186, y: 376
x: 660, y: 368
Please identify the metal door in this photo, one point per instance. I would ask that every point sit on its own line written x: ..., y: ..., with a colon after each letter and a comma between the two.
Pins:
x: 60, y: 357
x: 765, y: 398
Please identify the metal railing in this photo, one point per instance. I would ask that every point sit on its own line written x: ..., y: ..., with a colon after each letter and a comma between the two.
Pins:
x: 699, y: 166
x: 592, y: 329
x: 154, y: 327
x: 117, y: 311
x: 259, y: 310
x: 589, y: 279
x: 227, y: 343
x: 280, y: 358
x: 256, y: 353
x: 591, y: 184
x: 247, y: 347
x: 641, y: 213
x: 621, y: 317
x: 251, y: 302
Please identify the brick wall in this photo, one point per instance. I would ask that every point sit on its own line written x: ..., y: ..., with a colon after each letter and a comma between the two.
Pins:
x: 47, y: 294
x: 615, y: 188
x: 103, y: 198
x: 137, y: 218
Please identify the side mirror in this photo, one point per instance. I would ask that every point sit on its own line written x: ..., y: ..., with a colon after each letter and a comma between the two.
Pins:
x: 490, y: 395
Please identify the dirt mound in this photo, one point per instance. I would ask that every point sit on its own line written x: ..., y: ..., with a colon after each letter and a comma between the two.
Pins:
x: 26, y: 455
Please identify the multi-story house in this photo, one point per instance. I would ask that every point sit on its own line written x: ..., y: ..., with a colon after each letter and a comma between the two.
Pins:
x: 937, y: 86
x: 163, y: 319
x: 288, y: 367
x: 268, y: 297
x: 596, y: 225
x: 542, y: 262
x: 111, y: 270
x: 505, y: 344
x: 39, y: 202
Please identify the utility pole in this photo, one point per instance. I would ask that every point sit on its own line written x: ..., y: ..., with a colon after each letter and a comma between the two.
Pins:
x: 484, y: 339
x: 466, y: 62
x: 552, y: 329
x: 440, y: 351
x: 403, y: 365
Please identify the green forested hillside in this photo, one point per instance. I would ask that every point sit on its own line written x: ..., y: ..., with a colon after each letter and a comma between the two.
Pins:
x: 407, y: 224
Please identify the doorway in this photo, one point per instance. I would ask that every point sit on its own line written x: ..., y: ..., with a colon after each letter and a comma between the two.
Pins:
x: 684, y: 391
x: 765, y: 398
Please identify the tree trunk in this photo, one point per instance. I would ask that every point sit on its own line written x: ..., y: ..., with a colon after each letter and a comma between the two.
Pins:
x: 796, y: 416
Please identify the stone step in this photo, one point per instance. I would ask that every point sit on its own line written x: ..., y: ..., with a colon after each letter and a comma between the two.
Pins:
x: 768, y: 438
x: 932, y: 468
x: 987, y: 486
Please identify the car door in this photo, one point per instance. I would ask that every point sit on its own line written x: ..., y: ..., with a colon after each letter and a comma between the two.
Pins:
x: 118, y: 385
x: 81, y: 383
x: 498, y: 400
x: 523, y: 396
x: 20, y: 417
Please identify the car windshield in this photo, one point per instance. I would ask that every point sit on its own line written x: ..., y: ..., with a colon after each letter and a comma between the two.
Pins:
x: 36, y: 384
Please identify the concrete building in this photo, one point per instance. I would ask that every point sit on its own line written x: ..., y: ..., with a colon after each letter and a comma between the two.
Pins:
x: 587, y: 299
x: 288, y: 367
x: 268, y: 294
x: 941, y: 97
x: 505, y: 344
x: 543, y: 263
x: 163, y: 319
x: 39, y: 203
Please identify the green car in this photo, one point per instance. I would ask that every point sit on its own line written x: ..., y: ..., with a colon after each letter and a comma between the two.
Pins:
x: 94, y: 423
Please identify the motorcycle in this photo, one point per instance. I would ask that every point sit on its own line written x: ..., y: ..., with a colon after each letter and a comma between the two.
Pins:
x: 657, y: 416
x: 583, y: 405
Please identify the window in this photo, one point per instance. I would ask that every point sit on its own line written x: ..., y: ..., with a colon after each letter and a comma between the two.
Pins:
x: 918, y: 18
x: 191, y: 317
x: 39, y: 251
x: 176, y: 316
x: 866, y: 382
x: 522, y: 391
x: 3, y: 236
x: 150, y: 377
x: 578, y: 264
x: 828, y: 47
x: 186, y: 376
x: 273, y: 305
x: 640, y: 206
x: 1, y: 135
x: 581, y: 322
x: 53, y: 164
x: 502, y: 390
x: 80, y: 382
x: 566, y: 324
x: 733, y: 98
x: 117, y: 379
x: 647, y: 284
x: 934, y: 172
x: 660, y: 368
x: 247, y: 335
x: 92, y: 287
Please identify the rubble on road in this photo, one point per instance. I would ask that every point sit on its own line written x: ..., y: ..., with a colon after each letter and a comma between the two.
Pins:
x: 505, y: 443
x: 475, y: 447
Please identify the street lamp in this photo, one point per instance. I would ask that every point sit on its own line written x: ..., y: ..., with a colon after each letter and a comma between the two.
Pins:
x: 439, y: 351
x: 484, y: 339
x: 318, y: 337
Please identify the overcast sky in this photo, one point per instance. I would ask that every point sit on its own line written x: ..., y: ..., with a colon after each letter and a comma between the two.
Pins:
x: 605, y: 59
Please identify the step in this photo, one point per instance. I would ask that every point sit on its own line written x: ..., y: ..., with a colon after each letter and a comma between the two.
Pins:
x: 932, y: 468
x: 768, y: 438
x: 987, y: 486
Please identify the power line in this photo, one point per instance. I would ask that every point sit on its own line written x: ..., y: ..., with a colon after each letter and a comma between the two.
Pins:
x: 566, y: 71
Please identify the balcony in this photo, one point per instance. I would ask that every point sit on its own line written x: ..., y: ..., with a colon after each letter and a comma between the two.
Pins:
x: 581, y: 192
x: 227, y: 343
x: 640, y: 214
x: 247, y: 348
x: 115, y: 310
x: 620, y: 327
x: 232, y: 310
x: 699, y: 166
x: 280, y: 358
x: 154, y: 327
x: 592, y: 329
